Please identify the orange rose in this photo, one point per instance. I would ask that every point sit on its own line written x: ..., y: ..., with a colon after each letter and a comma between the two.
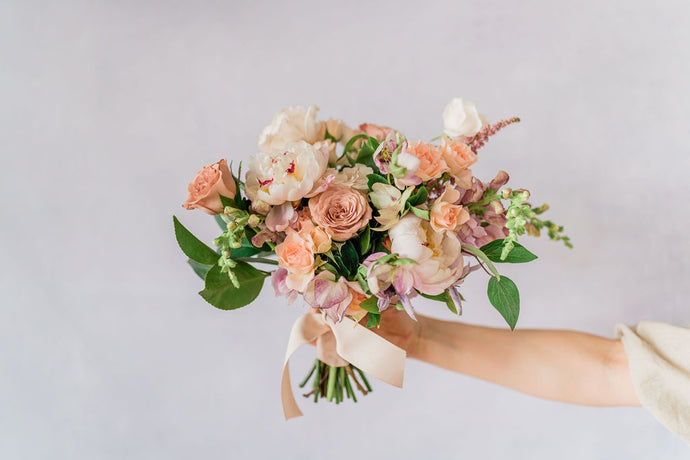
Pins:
x: 431, y: 163
x: 445, y: 215
x: 205, y: 190
x: 458, y: 156
x: 341, y: 211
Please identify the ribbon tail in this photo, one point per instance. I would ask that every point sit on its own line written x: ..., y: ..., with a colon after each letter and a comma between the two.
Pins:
x: 307, y: 328
x: 369, y: 351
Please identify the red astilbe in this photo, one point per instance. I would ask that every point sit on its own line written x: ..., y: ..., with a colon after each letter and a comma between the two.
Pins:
x: 478, y: 140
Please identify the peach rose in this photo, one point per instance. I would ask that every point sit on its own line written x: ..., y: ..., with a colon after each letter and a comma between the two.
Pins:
x: 375, y: 131
x: 297, y: 255
x: 431, y: 163
x: 205, y: 190
x: 445, y: 215
x: 341, y: 211
x: 458, y: 156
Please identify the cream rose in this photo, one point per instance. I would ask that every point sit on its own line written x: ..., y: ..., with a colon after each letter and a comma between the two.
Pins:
x: 341, y: 211
x: 289, y: 175
x: 460, y: 118
x: 292, y: 125
x: 205, y: 190
x: 445, y: 215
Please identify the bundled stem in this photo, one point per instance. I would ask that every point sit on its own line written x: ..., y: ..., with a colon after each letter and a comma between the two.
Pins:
x: 334, y: 383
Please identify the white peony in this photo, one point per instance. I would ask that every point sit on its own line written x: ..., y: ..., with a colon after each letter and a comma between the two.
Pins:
x: 460, y: 118
x: 292, y: 125
x: 289, y: 175
x: 437, y: 254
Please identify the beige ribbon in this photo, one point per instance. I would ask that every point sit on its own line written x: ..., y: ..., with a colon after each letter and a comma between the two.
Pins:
x: 353, y: 343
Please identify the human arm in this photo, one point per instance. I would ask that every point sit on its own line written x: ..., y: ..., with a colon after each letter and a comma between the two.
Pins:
x: 565, y: 366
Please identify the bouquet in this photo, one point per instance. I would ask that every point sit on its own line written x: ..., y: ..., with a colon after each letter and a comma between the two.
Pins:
x: 356, y: 221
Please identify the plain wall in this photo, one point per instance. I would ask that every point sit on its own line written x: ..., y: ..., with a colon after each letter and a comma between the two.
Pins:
x: 108, y: 109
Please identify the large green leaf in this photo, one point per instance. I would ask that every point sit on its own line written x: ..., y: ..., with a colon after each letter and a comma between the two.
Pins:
x: 246, y: 250
x: 519, y: 254
x: 443, y: 297
x: 199, y: 269
x: 366, y: 153
x: 365, y: 240
x: 419, y: 197
x: 192, y: 246
x: 350, y: 258
x: 221, y: 293
x: 504, y: 296
x: 370, y: 305
x: 374, y: 178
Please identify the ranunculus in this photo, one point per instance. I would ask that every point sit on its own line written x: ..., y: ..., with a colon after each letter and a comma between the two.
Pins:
x: 431, y: 163
x: 319, y: 237
x: 296, y: 254
x: 354, y: 177
x: 460, y: 118
x: 437, y: 254
x: 289, y: 175
x: 342, y: 211
x: 458, y: 156
x: 290, y: 125
x: 445, y: 215
x: 205, y: 190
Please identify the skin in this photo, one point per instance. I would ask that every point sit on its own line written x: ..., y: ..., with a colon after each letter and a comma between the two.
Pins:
x: 567, y: 366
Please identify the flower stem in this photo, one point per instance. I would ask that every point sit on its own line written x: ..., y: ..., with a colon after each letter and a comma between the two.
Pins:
x: 332, y: 376
x: 306, y: 379
x: 364, y: 379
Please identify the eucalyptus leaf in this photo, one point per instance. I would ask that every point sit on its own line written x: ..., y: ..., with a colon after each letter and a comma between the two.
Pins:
x: 519, y: 254
x: 192, y: 246
x: 221, y: 293
x: 505, y: 297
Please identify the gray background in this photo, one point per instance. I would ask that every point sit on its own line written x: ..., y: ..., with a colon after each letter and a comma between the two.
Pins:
x: 109, y: 108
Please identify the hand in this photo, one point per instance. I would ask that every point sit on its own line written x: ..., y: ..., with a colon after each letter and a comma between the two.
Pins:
x: 398, y: 328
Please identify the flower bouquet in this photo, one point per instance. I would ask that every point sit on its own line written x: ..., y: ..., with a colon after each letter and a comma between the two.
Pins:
x: 356, y: 221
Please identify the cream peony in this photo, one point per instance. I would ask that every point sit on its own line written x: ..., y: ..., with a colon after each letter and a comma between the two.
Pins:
x: 460, y: 118
x: 292, y: 125
x: 289, y: 175
x: 437, y: 254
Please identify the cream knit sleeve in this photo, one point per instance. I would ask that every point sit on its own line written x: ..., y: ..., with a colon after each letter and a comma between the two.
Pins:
x: 659, y: 357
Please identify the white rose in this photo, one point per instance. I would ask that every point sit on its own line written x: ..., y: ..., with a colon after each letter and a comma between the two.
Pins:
x: 460, y: 118
x: 291, y: 125
x: 438, y: 256
x: 289, y: 175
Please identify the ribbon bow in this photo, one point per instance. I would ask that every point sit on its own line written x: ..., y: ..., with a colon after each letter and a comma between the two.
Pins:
x: 353, y: 343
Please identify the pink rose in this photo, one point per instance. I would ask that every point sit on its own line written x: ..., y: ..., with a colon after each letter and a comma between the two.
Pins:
x: 458, y: 156
x: 205, y: 190
x: 341, y: 211
x: 431, y: 163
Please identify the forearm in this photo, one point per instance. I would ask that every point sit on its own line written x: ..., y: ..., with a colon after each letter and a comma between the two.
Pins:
x: 565, y: 366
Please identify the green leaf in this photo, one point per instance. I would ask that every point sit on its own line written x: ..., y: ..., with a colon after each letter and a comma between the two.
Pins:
x: 199, y: 269
x: 350, y: 257
x: 504, y: 296
x: 419, y: 197
x: 221, y: 223
x: 374, y: 178
x: 421, y: 213
x: 246, y: 250
x: 373, y: 320
x: 519, y: 254
x: 238, y: 187
x: 220, y: 292
x: 370, y: 305
x: 480, y: 255
x: 366, y: 153
x: 192, y: 246
x: 445, y: 298
x: 351, y: 142
x: 365, y: 240
x: 225, y: 201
